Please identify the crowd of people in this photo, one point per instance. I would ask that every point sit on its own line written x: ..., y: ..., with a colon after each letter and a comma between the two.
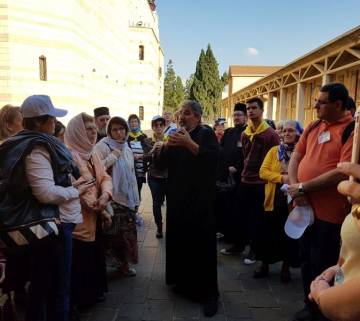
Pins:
x: 70, y: 196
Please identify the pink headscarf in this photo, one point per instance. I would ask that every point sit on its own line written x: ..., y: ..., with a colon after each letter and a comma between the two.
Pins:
x: 76, y: 138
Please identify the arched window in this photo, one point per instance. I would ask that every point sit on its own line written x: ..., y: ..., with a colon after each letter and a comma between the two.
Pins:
x: 141, y: 112
x: 141, y: 52
x: 42, y: 68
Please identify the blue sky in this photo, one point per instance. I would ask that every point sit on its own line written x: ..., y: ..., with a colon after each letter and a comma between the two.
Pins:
x: 254, y: 32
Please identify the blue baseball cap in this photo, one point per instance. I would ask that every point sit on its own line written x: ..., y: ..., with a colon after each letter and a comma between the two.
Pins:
x: 40, y: 105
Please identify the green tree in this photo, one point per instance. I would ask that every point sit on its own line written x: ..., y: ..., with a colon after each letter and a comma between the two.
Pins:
x: 188, y: 85
x: 179, y: 91
x: 207, y: 85
x: 174, y: 92
x: 225, y: 79
x: 169, y: 88
x: 197, y: 90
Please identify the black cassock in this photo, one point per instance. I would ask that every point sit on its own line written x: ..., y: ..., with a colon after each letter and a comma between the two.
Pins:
x: 191, y: 258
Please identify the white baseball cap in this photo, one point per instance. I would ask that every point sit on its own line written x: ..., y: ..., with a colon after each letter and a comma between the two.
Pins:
x: 298, y: 220
x: 40, y: 105
x: 156, y: 118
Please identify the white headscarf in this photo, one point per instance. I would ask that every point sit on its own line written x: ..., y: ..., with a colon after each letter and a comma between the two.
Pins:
x: 125, y: 189
x: 76, y: 138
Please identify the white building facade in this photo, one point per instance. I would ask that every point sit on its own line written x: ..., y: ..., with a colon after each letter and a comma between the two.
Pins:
x: 83, y: 54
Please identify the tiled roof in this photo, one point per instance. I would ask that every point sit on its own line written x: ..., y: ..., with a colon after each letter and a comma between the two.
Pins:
x: 238, y: 70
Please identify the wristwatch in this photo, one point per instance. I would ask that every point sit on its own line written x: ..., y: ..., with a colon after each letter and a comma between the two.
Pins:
x: 301, y: 189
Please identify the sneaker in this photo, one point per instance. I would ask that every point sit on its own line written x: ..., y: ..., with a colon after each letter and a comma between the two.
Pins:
x: 234, y: 250
x: 250, y: 258
x: 219, y: 235
x: 131, y: 272
x: 249, y: 261
x: 210, y: 307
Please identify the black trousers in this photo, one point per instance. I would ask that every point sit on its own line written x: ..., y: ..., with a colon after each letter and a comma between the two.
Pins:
x: 319, y: 249
x: 250, y: 209
x: 227, y: 216
x: 47, y: 283
x: 158, y: 193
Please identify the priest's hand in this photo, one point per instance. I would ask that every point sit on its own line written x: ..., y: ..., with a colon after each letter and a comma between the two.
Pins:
x: 182, y: 139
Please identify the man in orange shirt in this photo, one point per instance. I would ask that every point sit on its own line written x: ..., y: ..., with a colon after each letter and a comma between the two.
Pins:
x: 314, y: 177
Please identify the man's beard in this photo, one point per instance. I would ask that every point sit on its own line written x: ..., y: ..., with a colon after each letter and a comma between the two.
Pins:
x: 102, y: 131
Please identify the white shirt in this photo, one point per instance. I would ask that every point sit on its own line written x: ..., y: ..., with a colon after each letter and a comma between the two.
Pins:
x: 41, y: 180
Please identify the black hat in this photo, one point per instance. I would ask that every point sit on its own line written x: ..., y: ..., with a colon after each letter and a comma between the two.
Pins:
x: 100, y: 111
x: 240, y: 107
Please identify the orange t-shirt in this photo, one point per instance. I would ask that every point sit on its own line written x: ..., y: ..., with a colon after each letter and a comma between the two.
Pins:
x: 319, y: 158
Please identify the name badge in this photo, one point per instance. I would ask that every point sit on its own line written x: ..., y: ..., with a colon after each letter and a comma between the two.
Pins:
x: 324, y: 137
x: 239, y: 143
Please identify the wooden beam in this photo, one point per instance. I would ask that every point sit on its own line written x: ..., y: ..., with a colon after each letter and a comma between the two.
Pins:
x: 336, y: 59
x: 319, y: 67
x: 306, y: 70
x: 355, y: 63
x: 354, y: 52
x: 295, y: 75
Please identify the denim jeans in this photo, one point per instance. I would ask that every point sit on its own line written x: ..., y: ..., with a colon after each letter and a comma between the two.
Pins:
x: 64, y: 263
x: 158, y: 193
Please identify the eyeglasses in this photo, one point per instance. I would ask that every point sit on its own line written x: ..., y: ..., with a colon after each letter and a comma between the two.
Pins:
x: 322, y: 102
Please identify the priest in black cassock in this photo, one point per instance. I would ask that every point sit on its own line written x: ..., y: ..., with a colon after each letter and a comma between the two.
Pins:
x: 191, y: 156
x: 231, y: 162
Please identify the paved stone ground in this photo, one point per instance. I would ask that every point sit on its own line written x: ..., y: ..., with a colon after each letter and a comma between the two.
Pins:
x: 145, y: 297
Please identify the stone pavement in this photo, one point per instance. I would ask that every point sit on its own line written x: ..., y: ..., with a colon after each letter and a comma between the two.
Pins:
x: 145, y: 297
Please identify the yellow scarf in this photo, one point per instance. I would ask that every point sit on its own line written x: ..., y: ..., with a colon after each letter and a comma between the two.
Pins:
x: 163, y: 138
x: 261, y: 128
x: 136, y: 135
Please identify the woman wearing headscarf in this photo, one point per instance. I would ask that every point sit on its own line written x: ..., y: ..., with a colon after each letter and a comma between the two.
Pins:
x: 273, y: 244
x: 117, y: 157
x: 88, y: 270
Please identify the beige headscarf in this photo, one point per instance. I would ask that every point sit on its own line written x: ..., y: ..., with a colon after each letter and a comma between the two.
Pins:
x: 76, y: 138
